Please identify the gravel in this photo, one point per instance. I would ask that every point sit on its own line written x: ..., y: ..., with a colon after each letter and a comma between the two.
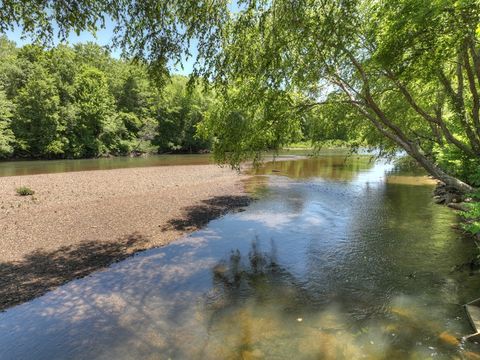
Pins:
x: 78, y: 222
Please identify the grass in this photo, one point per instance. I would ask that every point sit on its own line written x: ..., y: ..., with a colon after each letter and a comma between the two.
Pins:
x: 300, y: 145
x: 472, y: 215
x: 24, y: 191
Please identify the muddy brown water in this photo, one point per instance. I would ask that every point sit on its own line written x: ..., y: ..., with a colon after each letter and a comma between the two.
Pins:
x: 336, y: 260
x: 32, y: 167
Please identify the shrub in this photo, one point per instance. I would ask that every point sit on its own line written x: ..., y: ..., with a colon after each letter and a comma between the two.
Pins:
x: 472, y: 215
x: 24, y: 191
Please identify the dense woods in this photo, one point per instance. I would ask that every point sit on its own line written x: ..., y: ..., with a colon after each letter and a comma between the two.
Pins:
x: 76, y: 102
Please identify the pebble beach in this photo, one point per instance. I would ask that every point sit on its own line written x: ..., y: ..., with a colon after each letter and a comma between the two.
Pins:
x: 78, y: 222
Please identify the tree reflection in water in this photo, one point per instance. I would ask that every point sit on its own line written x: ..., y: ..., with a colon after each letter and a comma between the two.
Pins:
x: 259, y: 278
x: 258, y: 309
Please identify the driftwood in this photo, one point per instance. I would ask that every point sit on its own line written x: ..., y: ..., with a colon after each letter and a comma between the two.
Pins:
x: 473, y: 313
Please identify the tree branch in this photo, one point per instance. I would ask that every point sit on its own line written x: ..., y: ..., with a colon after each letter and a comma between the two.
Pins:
x: 307, y: 105
x: 433, y: 121
x: 476, y: 60
x: 397, y: 136
x: 474, y: 92
x: 408, y: 96
x: 372, y: 104
x: 459, y: 109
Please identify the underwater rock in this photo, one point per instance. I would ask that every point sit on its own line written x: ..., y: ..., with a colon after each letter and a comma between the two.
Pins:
x: 470, y: 355
x: 448, y: 338
x: 252, y: 355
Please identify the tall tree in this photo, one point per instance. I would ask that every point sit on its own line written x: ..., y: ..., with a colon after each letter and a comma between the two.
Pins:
x: 400, y: 66
x: 38, y: 126
x: 7, y: 139
x: 180, y: 112
x: 93, y: 121
x: 10, y: 69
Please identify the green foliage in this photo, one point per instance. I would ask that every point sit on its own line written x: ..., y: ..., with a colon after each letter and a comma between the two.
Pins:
x: 182, y: 111
x: 459, y: 164
x: 406, y: 163
x: 24, y: 191
x: 391, y: 74
x: 7, y: 139
x: 242, y: 128
x: 10, y: 69
x: 95, y: 128
x: 74, y: 102
x: 38, y: 126
x: 472, y: 215
x: 307, y: 145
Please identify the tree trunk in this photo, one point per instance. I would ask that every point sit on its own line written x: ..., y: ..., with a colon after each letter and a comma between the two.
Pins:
x: 380, y: 120
x: 438, y: 173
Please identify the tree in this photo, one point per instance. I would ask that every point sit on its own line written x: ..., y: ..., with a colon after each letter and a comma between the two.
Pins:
x: 392, y: 65
x: 10, y: 70
x: 7, y: 139
x: 38, y: 126
x: 180, y: 112
x: 95, y: 105
x: 243, y: 126
x: 62, y: 65
x: 157, y: 30
x: 93, y: 121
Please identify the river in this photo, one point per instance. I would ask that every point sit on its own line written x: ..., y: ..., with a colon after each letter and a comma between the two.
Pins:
x: 32, y: 167
x: 337, y: 259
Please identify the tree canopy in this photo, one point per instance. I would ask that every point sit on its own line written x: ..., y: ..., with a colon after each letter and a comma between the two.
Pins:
x: 408, y: 69
x: 77, y: 102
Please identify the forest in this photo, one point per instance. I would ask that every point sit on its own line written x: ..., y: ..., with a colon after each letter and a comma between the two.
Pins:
x: 80, y: 102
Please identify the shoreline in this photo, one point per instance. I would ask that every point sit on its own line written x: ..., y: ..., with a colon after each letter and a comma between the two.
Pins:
x: 80, y: 222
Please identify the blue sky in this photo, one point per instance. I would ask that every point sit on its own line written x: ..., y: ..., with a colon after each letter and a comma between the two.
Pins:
x: 102, y: 37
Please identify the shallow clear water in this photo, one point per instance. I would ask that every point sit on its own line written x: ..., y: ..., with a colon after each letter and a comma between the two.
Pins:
x: 336, y: 260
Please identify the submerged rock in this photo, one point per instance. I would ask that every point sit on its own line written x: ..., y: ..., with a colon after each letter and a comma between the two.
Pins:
x: 252, y: 355
x: 448, y: 338
x: 471, y: 355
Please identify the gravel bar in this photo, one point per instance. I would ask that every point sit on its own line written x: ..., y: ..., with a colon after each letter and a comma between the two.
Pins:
x: 78, y: 222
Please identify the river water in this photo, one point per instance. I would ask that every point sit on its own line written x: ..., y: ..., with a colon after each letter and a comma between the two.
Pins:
x: 32, y: 167
x: 337, y: 259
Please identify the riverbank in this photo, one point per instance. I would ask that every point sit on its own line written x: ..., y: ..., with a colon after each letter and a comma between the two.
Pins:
x: 79, y: 222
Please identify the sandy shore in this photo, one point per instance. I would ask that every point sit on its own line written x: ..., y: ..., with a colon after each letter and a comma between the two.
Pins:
x: 78, y: 222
